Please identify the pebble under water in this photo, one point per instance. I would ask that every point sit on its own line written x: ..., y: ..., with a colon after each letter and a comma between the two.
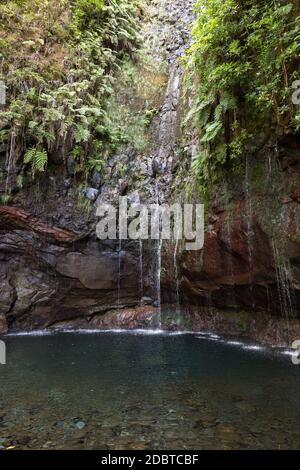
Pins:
x: 123, y: 391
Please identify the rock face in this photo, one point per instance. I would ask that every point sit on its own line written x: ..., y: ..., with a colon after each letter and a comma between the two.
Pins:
x: 3, y: 324
x: 250, y: 262
x: 44, y: 280
x: 54, y: 273
x: 238, y: 269
x: 13, y: 216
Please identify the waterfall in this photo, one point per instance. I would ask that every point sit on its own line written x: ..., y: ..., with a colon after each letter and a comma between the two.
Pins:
x: 141, y: 270
x: 119, y: 273
x: 269, y: 310
x: 283, y: 277
x: 176, y: 276
x: 230, y: 258
x: 167, y: 131
x: 10, y: 162
x: 249, y: 218
x: 168, y: 120
x: 158, y: 258
x: 208, y: 296
x: 165, y: 154
x: 158, y: 279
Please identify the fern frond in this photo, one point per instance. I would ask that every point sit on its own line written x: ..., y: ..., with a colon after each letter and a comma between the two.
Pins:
x: 37, y: 158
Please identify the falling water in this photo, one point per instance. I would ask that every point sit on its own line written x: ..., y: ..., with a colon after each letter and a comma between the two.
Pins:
x: 268, y: 300
x: 209, y: 301
x: 272, y: 164
x: 10, y: 162
x: 230, y: 258
x: 283, y: 275
x: 119, y: 273
x: 176, y: 276
x: 249, y: 218
x: 168, y: 121
x: 269, y: 163
x: 158, y: 280
x: 165, y: 154
x: 158, y: 258
x: 141, y: 270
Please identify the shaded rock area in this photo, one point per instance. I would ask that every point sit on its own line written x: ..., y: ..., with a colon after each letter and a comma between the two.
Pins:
x: 250, y: 261
x: 142, y: 317
x: 3, y: 324
x: 256, y: 326
x: 233, y: 271
x: 44, y: 281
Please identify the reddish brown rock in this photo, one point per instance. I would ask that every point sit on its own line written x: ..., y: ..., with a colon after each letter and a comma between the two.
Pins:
x: 138, y: 317
x: 236, y: 267
x: 18, y: 218
x: 3, y: 325
x: 44, y: 282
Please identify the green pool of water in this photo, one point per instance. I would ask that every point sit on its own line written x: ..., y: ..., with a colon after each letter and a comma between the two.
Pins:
x: 134, y: 391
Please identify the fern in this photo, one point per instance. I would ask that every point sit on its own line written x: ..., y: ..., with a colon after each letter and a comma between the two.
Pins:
x: 243, y: 59
x: 198, y: 163
x: 5, y: 198
x: 20, y: 181
x: 82, y: 134
x: 227, y: 103
x: 62, y: 104
x: 212, y: 131
x: 37, y: 158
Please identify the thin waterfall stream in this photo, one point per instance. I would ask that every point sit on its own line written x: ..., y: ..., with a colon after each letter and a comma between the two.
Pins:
x: 177, y: 275
x: 249, y: 223
x: 283, y: 274
x: 141, y: 263
x: 158, y: 255
x: 119, y: 273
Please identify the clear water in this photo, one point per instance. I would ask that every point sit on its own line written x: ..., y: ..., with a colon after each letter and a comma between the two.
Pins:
x: 133, y: 391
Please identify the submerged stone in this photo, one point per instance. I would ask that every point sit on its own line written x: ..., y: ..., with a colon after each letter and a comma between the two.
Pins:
x: 80, y: 425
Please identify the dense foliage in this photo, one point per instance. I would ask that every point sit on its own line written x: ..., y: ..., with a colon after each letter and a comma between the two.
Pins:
x: 58, y: 62
x: 245, y: 57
